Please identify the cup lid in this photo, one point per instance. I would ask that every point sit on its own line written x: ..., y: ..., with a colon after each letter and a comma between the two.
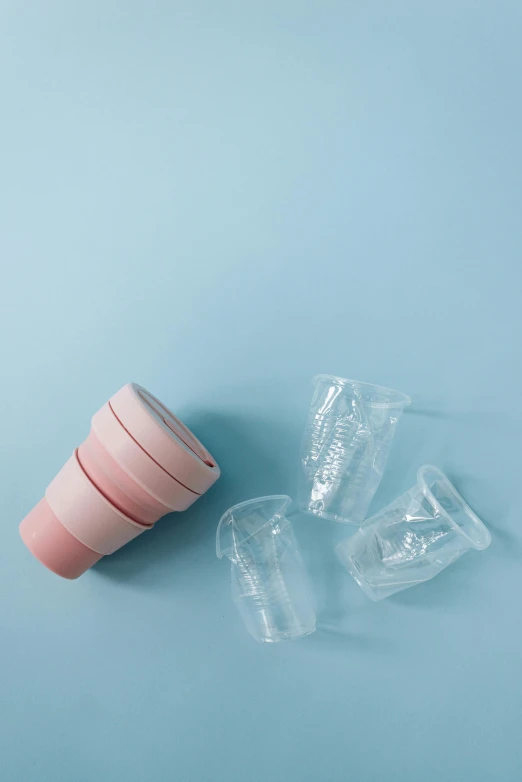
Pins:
x: 164, y: 438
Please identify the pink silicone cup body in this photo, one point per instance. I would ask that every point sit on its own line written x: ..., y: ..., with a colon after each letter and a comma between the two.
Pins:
x: 138, y: 463
x: 118, y: 487
x: 128, y: 460
x: 86, y: 513
x: 164, y: 438
x: 55, y: 547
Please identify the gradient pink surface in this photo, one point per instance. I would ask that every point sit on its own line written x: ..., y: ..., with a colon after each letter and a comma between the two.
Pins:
x: 87, y: 513
x: 55, y: 547
x: 164, y: 438
x: 128, y: 473
x: 116, y: 486
x: 133, y: 462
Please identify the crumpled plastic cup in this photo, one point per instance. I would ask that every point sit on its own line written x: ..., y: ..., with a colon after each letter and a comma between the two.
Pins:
x: 269, y: 582
x: 348, y: 436
x: 413, y: 538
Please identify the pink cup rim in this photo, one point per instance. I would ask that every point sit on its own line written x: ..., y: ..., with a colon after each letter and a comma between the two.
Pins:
x: 164, y: 438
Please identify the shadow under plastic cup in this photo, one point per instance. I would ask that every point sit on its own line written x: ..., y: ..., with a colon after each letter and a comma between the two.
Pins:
x: 269, y: 582
x: 348, y: 436
x: 413, y: 538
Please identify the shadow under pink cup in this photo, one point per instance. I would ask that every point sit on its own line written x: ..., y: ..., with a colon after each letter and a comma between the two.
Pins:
x: 137, y: 464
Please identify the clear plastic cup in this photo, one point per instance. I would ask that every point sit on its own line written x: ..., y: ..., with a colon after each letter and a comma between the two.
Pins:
x: 347, y: 440
x: 413, y: 538
x: 269, y: 582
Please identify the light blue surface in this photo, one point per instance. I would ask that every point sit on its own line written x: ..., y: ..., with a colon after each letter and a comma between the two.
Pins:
x: 219, y: 200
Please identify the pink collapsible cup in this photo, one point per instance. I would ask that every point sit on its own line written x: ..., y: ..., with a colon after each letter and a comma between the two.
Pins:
x: 138, y: 463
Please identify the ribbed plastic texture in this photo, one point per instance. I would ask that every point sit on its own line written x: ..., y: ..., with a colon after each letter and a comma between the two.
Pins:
x: 269, y: 583
x: 348, y: 436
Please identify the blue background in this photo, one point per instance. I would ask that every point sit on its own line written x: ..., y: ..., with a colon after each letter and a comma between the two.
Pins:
x: 219, y: 200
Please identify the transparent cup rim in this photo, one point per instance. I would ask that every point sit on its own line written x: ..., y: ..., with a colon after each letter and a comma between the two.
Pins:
x: 482, y: 538
x: 284, y: 501
x: 396, y: 398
